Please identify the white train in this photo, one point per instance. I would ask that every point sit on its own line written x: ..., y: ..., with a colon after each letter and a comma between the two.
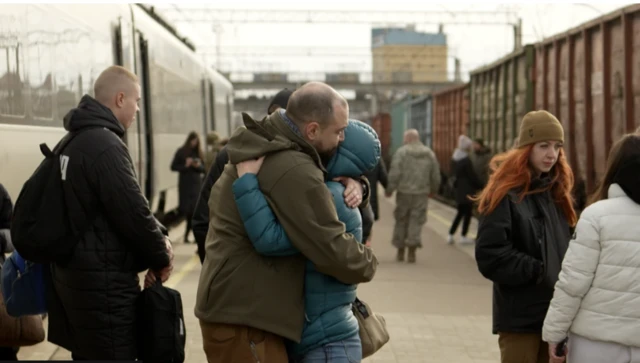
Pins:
x: 50, y: 56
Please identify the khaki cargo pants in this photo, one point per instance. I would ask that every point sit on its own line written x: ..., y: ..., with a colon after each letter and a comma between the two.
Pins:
x: 522, y: 348
x: 410, y: 215
x: 224, y: 343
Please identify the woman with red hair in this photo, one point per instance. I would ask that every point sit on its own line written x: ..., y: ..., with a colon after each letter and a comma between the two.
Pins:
x: 527, y: 217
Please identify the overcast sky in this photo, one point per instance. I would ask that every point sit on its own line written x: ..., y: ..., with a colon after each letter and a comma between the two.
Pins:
x: 474, y: 45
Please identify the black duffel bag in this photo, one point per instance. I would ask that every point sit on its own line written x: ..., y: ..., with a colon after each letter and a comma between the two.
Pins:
x: 162, y: 334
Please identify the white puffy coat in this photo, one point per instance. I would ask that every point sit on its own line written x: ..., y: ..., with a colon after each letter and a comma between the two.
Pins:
x: 597, y: 295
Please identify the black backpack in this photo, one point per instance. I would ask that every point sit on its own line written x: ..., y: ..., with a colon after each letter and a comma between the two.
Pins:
x: 40, y: 228
x: 161, y: 331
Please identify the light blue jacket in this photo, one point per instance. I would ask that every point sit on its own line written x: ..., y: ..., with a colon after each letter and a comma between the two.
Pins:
x: 328, y: 316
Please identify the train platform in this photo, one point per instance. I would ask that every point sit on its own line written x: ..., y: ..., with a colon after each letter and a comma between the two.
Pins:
x: 437, y: 310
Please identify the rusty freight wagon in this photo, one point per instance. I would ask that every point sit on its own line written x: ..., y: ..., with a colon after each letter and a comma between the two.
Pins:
x: 381, y: 123
x: 589, y: 77
x: 421, y: 117
x: 450, y: 120
x: 501, y: 94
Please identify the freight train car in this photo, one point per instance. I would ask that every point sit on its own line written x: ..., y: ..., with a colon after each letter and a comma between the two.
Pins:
x: 399, y: 117
x: 381, y: 123
x: 421, y: 117
x: 501, y: 94
x: 589, y: 78
x: 450, y: 120
x: 585, y: 76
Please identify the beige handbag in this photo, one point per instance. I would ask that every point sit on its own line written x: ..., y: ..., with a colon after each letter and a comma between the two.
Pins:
x: 373, y: 328
x: 19, y: 332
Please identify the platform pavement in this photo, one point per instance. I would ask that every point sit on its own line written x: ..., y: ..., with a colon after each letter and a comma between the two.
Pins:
x: 437, y: 310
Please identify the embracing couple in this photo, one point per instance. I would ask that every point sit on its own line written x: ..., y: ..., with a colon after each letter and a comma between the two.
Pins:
x: 284, y: 251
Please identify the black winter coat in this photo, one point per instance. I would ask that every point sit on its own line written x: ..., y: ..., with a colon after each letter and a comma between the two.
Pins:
x: 200, y: 221
x: 378, y: 174
x: 92, y: 308
x: 466, y: 181
x: 520, y: 247
x: 189, y: 180
x: 367, y: 221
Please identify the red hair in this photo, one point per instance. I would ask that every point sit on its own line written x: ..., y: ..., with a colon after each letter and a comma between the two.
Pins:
x: 511, y: 170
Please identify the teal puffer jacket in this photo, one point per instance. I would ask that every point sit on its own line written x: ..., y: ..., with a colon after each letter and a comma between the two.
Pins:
x: 328, y: 316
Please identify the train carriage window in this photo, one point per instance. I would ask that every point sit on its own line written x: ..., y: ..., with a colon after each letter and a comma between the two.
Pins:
x: 102, y: 51
x: 40, y: 82
x: 11, y: 81
x: 40, y: 43
x: 73, y: 63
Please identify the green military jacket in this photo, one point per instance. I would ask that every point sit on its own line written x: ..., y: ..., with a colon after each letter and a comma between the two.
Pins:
x: 414, y: 170
x: 239, y: 286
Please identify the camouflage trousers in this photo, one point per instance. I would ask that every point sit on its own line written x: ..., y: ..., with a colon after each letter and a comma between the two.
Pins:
x: 410, y: 215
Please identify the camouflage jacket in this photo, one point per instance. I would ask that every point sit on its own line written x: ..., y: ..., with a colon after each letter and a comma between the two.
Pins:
x: 414, y: 170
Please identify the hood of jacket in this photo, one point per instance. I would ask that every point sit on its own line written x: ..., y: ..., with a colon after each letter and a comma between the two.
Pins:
x: 464, y: 145
x: 91, y: 113
x: 459, y: 155
x: 358, y: 154
x: 272, y: 134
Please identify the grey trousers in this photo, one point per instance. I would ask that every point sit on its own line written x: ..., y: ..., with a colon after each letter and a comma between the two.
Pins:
x: 583, y: 350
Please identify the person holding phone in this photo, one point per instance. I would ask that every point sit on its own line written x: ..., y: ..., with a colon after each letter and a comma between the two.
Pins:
x: 188, y: 161
x: 596, y: 298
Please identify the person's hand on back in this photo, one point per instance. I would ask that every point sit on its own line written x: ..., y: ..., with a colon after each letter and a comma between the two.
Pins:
x: 249, y: 166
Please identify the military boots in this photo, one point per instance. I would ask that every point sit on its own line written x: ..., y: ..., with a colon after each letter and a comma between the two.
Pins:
x: 412, y: 255
x: 400, y: 255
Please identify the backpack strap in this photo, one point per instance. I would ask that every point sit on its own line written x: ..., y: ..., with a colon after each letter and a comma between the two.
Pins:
x: 62, y: 144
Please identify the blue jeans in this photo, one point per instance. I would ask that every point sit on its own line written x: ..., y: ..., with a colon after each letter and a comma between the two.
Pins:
x: 343, y: 351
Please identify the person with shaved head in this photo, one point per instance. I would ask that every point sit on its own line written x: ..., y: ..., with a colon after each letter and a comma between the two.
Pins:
x: 414, y: 175
x: 250, y: 303
x: 92, y: 308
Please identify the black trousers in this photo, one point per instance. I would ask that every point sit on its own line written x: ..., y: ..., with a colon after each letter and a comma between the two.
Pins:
x: 465, y: 211
x: 186, y: 232
x: 8, y: 354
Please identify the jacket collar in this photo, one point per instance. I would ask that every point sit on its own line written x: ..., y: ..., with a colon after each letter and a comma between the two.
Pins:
x: 615, y: 191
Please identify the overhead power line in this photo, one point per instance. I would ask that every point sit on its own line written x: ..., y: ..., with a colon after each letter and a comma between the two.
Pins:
x: 287, y: 51
x: 235, y: 16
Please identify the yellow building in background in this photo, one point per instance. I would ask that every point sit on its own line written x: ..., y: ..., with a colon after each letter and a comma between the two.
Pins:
x: 404, y: 55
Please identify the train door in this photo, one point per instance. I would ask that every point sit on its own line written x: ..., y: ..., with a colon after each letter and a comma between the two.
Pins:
x: 123, y: 56
x: 205, y: 106
x: 212, y: 107
x: 145, y: 141
x: 229, y: 107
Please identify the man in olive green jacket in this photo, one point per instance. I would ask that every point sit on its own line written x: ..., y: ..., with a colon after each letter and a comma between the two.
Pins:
x: 247, y: 303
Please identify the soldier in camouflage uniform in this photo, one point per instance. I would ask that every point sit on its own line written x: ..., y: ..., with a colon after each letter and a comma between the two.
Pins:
x: 414, y: 175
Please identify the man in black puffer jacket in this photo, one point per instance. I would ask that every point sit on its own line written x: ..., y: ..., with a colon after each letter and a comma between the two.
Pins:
x: 92, y: 311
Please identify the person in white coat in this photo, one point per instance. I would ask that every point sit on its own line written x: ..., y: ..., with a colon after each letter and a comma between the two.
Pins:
x: 596, y: 302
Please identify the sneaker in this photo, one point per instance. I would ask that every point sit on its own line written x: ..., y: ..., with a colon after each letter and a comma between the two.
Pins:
x: 466, y: 240
x: 450, y: 240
